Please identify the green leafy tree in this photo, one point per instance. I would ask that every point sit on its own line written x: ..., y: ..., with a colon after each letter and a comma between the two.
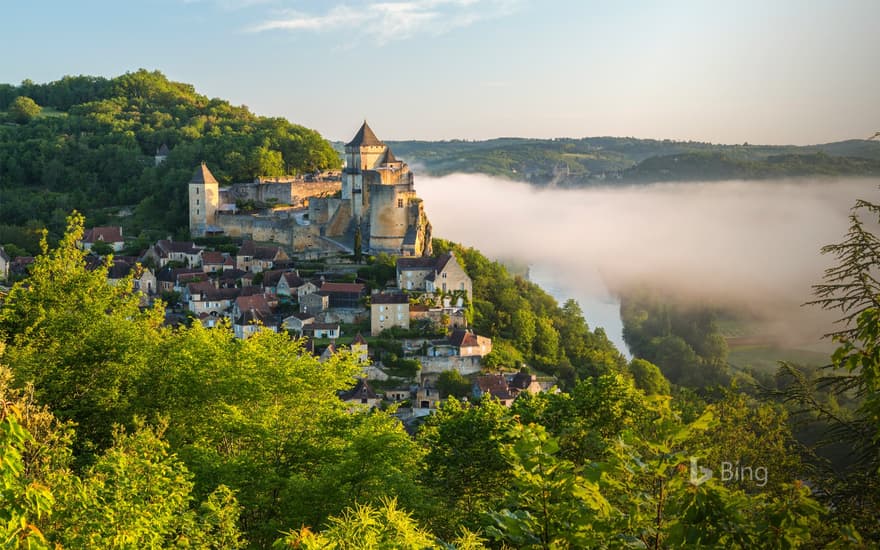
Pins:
x: 78, y: 339
x: 137, y: 495
x: 24, y: 502
x: 648, y: 377
x: 465, y: 467
x: 23, y: 109
x: 549, y: 504
x: 452, y: 383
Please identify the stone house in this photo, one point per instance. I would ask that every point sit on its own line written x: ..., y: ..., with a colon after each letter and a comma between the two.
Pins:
x: 461, y: 343
x: 250, y: 314
x: 360, y: 349
x: 387, y: 311
x: 315, y: 302
x: 256, y: 258
x: 215, y: 262
x: 361, y: 395
x: 494, y: 385
x: 434, y: 275
x: 322, y: 330
x: 344, y: 295
x: 111, y: 235
x: 184, y: 252
x: 290, y: 284
x: 297, y: 322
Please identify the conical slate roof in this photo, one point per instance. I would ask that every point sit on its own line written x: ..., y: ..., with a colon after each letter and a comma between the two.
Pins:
x: 364, y: 138
x: 389, y: 157
x: 203, y: 175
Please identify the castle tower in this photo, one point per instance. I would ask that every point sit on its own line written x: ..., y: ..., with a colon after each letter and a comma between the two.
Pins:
x: 204, y: 198
x: 362, y: 153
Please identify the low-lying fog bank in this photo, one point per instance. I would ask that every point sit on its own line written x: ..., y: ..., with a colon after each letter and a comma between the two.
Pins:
x: 753, y: 245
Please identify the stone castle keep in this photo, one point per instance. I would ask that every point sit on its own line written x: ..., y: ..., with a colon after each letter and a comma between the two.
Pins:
x: 376, y: 195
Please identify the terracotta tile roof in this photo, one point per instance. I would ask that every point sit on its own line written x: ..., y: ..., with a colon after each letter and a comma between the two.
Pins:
x: 342, y: 287
x: 256, y: 302
x: 212, y: 257
x: 110, y: 234
x: 495, y: 385
x: 463, y: 338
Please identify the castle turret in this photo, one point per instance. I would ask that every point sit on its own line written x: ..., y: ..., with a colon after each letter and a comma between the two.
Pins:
x: 204, y: 198
x: 362, y: 153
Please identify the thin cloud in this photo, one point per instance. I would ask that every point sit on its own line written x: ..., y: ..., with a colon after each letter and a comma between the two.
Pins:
x: 391, y: 20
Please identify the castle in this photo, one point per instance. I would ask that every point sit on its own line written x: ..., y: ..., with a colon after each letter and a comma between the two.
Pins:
x: 376, y: 198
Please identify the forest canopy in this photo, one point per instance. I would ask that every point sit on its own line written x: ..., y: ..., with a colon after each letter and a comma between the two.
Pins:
x: 88, y: 143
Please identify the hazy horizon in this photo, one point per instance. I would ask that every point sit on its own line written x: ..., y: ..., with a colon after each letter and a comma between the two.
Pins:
x: 787, y: 72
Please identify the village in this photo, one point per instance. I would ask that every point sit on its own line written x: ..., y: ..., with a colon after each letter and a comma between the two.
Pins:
x: 402, y: 311
x: 404, y: 335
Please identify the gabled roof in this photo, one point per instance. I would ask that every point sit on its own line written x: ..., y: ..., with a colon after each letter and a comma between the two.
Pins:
x: 256, y: 302
x: 359, y: 340
x: 495, y: 385
x: 420, y: 263
x: 250, y: 248
x: 328, y: 352
x: 361, y: 390
x: 119, y: 269
x: 463, y: 338
x: 166, y: 247
x: 214, y: 258
x: 203, y: 175
x: 522, y: 380
x: 293, y: 280
x: 442, y: 260
x: 342, y: 287
x: 110, y: 234
x: 201, y: 287
x: 162, y: 151
x: 253, y: 317
x: 364, y: 138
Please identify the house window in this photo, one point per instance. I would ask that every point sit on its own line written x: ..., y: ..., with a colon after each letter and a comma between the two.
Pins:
x: 461, y: 286
x: 197, y: 190
x: 197, y: 201
x: 444, y: 275
x: 197, y: 211
x: 400, y: 203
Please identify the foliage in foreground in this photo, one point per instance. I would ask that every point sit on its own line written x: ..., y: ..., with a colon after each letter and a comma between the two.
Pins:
x: 192, y: 438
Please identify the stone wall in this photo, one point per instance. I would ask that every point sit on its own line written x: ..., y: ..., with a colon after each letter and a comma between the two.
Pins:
x: 436, y: 365
x: 283, y: 231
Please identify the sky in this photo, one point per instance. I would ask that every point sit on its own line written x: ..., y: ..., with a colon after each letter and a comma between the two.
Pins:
x: 773, y: 72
